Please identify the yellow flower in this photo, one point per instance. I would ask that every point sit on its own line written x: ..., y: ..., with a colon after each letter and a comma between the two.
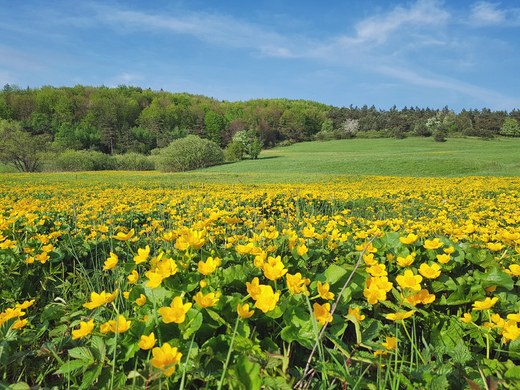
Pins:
x: 124, y: 237
x: 105, y: 327
x: 514, y: 317
x: 430, y: 272
x: 377, y: 270
x: 147, y: 342
x: 376, y: 289
x: 208, y: 300
x: 466, y: 318
x: 369, y: 259
x: 322, y: 313
x: 401, y: 315
x: 302, y: 250
x: 243, y: 310
x: 433, y: 244
x: 356, y: 313
x: 267, y: 299
x: 410, y: 239
x: 111, y: 262
x: 19, y: 323
x: 126, y: 294
x: 444, y: 258
x: 390, y: 343
x: 296, y: 283
x: 511, y: 331
x: 117, y: 326
x: 449, y: 250
x: 495, y: 246
x: 486, y: 304
x: 142, y: 255
x: 209, y: 266
x: 405, y: 261
x: 514, y: 269
x: 176, y: 312
x: 85, y: 328
x: 274, y: 268
x: 100, y: 299
x: 323, y: 291
x: 409, y: 280
x: 422, y: 296
x: 190, y: 239
x: 24, y: 304
x: 154, y: 279
x: 42, y: 257
x: 165, y: 358
x: 253, y: 288
x: 133, y: 277
x: 141, y: 300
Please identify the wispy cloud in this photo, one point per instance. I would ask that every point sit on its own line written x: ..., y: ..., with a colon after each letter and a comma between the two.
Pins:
x: 485, y: 13
x: 213, y: 28
x: 378, y: 29
x: 487, y: 96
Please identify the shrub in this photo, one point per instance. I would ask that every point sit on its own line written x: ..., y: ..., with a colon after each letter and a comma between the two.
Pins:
x: 84, y: 160
x: 133, y: 162
x: 191, y: 152
x: 234, y: 151
x: 439, y: 135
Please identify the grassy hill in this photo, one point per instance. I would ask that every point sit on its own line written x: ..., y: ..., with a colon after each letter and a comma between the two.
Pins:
x: 387, y: 157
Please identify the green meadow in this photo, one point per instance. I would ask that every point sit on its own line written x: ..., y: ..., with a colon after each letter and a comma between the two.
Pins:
x: 311, y: 162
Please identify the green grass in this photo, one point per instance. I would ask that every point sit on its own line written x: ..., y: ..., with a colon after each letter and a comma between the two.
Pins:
x: 387, y: 157
x: 311, y: 162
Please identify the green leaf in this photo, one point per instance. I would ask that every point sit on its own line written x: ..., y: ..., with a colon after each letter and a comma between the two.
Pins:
x: 495, y: 277
x: 82, y: 353
x: 460, y: 353
x: 71, y: 366
x: 192, y: 324
x: 249, y: 374
x: 20, y: 386
x: 334, y: 273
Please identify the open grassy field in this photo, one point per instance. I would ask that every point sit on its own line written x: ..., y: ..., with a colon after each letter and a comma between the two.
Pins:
x: 307, y: 269
x: 385, y: 157
x: 312, y: 162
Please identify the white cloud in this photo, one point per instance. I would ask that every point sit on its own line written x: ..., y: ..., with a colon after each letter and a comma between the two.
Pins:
x: 212, y: 28
x: 125, y: 78
x: 379, y: 29
x: 484, y: 13
x: 489, y: 97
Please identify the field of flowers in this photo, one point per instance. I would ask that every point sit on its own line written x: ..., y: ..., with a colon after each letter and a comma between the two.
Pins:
x: 371, y: 282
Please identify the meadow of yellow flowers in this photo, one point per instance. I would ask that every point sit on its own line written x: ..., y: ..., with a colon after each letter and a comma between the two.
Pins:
x: 361, y: 282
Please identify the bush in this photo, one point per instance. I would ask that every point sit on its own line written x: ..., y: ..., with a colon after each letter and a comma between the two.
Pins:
x: 84, y: 160
x: 189, y: 153
x: 439, y: 135
x: 133, y: 162
x: 234, y: 151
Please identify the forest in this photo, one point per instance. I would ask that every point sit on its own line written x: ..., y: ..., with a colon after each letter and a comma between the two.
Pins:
x: 126, y: 119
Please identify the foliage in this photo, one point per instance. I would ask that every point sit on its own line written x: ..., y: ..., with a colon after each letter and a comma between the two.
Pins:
x: 234, y: 151
x: 133, y: 162
x: 93, y: 268
x: 252, y: 145
x: 83, y: 160
x: 189, y: 153
x: 20, y: 148
x: 510, y: 128
x: 130, y: 119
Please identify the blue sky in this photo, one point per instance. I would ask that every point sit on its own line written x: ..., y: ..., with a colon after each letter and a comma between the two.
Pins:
x: 426, y: 53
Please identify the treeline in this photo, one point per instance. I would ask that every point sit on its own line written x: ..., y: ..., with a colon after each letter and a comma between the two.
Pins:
x: 128, y: 119
x: 122, y: 119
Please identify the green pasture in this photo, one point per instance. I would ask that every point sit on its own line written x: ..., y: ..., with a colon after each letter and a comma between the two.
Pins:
x: 310, y: 162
